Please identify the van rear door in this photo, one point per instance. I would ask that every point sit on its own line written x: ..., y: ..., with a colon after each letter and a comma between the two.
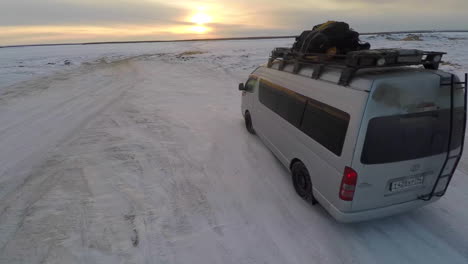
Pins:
x: 403, y: 139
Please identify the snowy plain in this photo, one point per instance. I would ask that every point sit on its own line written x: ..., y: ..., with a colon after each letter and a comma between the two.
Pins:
x: 137, y: 153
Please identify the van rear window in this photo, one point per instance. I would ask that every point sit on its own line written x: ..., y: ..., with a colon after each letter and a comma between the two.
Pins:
x: 411, y: 136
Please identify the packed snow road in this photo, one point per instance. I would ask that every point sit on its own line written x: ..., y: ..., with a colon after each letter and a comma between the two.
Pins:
x: 146, y: 160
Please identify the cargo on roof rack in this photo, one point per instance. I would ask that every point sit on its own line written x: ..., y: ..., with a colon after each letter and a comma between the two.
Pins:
x: 355, y: 60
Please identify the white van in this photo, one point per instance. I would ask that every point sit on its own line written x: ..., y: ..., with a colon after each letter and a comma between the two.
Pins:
x: 374, y: 146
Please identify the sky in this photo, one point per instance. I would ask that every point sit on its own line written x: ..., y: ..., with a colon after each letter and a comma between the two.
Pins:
x: 71, y: 21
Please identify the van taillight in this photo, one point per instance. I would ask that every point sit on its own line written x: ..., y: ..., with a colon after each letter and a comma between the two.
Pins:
x: 348, y: 184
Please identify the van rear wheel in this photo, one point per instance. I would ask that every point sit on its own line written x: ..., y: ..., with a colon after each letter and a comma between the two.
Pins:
x: 302, y: 183
x: 248, y: 123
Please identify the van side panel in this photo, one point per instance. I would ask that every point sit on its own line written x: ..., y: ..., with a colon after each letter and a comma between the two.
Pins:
x: 387, y: 109
x: 288, y: 142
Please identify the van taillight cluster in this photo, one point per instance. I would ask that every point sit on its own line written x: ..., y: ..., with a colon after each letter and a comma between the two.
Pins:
x: 348, y: 184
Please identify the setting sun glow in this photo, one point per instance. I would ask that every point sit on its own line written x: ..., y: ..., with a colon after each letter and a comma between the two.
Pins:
x: 199, y: 29
x: 200, y: 18
x: 47, y: 22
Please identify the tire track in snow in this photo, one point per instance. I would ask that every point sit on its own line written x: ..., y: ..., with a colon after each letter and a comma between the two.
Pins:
x: 68, y: 116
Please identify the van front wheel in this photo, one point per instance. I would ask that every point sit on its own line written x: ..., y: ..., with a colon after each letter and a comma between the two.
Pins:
x: 301, y: 181
x: 248, y: 122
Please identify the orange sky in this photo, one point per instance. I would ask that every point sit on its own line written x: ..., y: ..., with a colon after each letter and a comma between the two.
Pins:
x: 66, y: 21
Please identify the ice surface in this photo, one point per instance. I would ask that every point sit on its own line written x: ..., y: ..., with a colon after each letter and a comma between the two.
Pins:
x: 136, y: 153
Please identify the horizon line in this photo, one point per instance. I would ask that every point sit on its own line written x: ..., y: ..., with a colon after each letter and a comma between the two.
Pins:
x: 215, y: 39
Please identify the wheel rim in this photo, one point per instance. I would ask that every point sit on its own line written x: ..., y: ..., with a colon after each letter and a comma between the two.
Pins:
x: 301, y: 183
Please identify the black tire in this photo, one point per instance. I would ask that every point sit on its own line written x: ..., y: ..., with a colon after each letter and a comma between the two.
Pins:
x: 248, y: 123
x: 302, y: 182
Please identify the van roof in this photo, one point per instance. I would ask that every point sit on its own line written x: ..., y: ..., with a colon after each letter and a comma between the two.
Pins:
x: 363, y: 79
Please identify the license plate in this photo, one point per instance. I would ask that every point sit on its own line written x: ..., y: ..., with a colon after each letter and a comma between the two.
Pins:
x: 406, y: 183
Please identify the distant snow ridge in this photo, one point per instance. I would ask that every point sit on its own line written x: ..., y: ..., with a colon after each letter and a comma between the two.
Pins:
x: 19, y: 64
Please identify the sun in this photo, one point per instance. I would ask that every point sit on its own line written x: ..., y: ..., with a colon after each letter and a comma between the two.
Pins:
x: 200, y: 18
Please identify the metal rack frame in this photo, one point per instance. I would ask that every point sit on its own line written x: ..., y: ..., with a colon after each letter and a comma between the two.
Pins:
x: 354, y: 61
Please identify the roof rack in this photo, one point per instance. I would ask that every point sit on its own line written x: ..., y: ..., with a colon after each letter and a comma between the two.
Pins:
x: 354, y: 60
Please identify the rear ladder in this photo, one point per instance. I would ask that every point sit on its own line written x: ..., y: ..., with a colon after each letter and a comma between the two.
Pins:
x: 443, y: 176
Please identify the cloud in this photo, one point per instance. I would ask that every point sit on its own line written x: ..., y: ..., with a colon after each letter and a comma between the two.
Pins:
x: 85, y: 12
x: 372, y: 15
x: 40, y: 21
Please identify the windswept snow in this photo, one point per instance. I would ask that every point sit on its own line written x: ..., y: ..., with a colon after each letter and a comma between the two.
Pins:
x: 138, y: 154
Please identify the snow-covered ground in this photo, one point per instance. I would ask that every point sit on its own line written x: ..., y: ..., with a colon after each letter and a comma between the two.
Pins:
x: 137, y: 153
x: 17, y: 64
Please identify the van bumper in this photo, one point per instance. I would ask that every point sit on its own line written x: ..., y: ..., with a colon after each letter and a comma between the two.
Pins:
x: 348, y: 217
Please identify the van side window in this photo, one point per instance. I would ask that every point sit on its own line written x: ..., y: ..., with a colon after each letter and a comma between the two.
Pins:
x: 291, y: 107
x: 250, y: 85
x: 326, y: 125
x: 323, y: 123
x: 286, y: 103
x: 268, y: 96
